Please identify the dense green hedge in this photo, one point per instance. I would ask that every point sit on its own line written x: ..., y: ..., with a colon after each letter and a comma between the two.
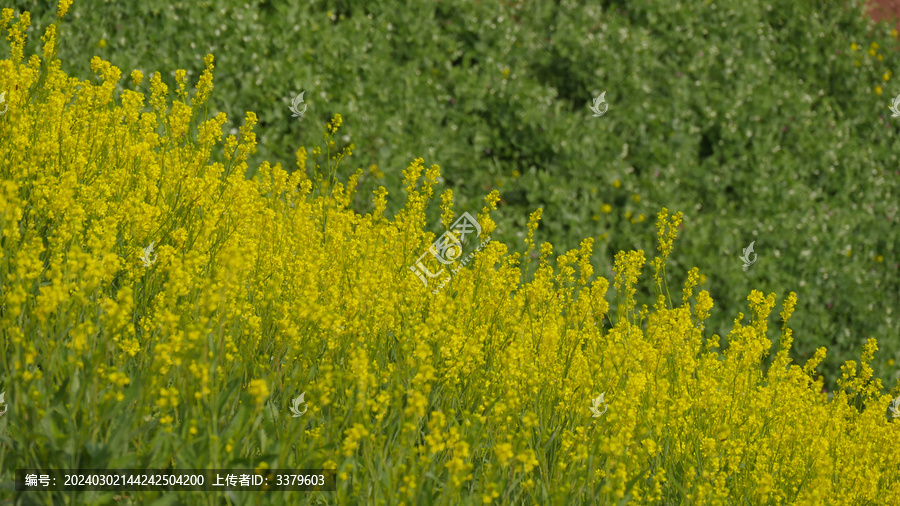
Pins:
x: 757, y: 119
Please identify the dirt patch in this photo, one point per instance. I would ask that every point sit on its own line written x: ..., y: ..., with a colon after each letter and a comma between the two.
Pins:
x: 885, y: 10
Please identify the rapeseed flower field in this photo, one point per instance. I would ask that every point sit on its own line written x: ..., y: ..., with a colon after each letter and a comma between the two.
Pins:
x: 158, y: 309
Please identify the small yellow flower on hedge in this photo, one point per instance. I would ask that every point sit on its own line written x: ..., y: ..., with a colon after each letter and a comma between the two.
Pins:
x: 878, y: 90
x: 606, y: 208
x: 854, y: 47
x: 617, y: 184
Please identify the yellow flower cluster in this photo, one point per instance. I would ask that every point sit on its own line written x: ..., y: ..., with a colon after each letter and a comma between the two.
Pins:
x: 258, y: 390
x: 275, y: 285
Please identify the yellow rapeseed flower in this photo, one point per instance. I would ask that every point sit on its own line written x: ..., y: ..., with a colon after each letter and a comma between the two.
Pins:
x: 259, y: 390
x: 63, y: 8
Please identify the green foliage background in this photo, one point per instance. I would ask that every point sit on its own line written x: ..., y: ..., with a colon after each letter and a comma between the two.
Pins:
x: 751, y: 117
